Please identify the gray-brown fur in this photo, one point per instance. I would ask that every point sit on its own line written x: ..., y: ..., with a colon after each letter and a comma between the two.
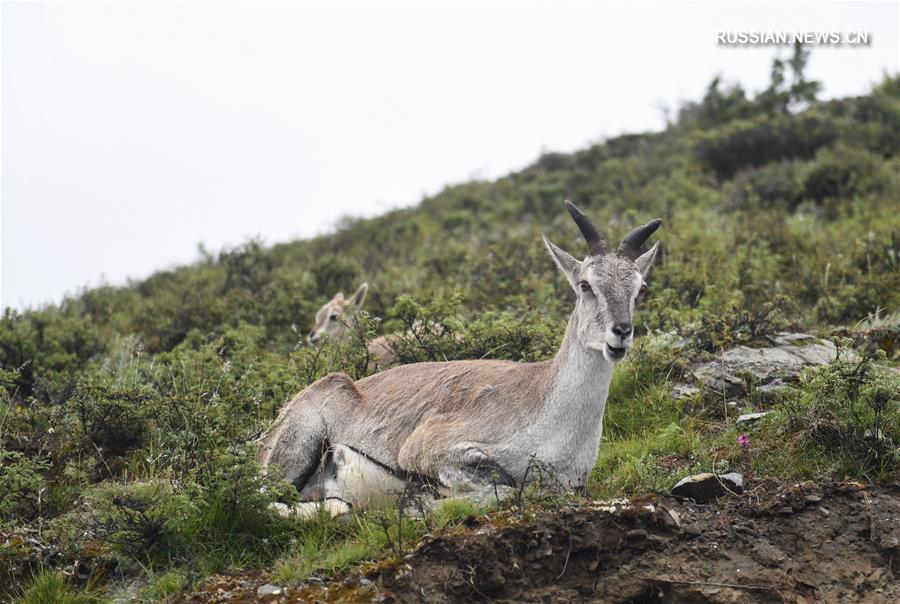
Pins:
x: 441, y: 420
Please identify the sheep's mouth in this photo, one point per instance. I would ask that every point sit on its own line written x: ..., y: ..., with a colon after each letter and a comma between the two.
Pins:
x: 615, y: 353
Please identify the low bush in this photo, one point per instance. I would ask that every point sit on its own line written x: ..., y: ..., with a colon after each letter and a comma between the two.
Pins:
x: 438, y: 331
x: 772, y: 185
x: 753, y: 142
x: 735, y: 326
x: 222, y: 519
x: 22, y: 485
x: 848, y: 413
x: 845, y: 172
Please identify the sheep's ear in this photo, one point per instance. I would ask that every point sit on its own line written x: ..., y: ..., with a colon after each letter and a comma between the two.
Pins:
x: 645, y: 260
x: 359, y: 296
x: 569, y: 266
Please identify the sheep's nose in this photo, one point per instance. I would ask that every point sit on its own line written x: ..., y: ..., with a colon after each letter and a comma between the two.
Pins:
x: 623, y: 330
x: 313, y: 337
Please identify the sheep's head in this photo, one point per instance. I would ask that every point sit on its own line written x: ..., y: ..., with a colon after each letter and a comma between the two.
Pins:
x: 608, y: 285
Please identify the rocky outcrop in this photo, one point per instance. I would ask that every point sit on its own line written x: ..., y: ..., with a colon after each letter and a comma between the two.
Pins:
x: 768, y: 369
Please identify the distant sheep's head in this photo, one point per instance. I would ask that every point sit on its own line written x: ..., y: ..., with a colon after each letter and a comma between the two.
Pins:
x: 335, y: 318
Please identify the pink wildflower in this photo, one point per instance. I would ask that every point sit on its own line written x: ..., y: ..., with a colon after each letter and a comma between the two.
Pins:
x: 744, y: 441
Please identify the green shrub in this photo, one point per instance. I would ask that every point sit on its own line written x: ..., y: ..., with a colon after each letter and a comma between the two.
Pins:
x: 22, y: 486
x: 754, y: 142
x: 877, y: 126
x: 438, y: 332
x: 223, y: 518
x: 734, y: 327
x: 848, y: 413
x: 772, y: 185
x: 45, y: 347
x: 844, y: 172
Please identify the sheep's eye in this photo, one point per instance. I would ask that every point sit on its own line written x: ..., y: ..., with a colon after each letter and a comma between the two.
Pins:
x: 585, y: 286
x: 333, y: 317
x: 643, y: 289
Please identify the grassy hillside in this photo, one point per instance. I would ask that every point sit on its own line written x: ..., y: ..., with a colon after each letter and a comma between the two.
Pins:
x: 127, y: 412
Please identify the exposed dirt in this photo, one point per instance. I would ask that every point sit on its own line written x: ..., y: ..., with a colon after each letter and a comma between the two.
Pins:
x: 776, y: 543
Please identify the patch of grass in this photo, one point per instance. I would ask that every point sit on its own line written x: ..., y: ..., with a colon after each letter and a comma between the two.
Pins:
x: 454, y: 511
x: 879, y: 331
x: 774, y: 453
x: 329, y: 545
x: 162, y: 586
x: 649, y: 462
x: 50, y: 587
x: 879, y: 319
x: 848, y: 415
x: 647, y: 439
x: 639, y: 401
x: 325, y: 543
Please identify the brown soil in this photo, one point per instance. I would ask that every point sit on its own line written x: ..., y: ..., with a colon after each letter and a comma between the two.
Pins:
x: 777, y: 543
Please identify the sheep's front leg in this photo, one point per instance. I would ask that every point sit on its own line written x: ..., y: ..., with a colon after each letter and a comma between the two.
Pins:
x: 307, y: 510
x: 468, y: 472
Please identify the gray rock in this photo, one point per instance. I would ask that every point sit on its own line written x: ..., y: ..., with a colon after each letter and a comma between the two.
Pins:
x: 675, y: 516
x: 795, y: 339
x: 670, y: 340
x: 704, y: 487
x: 749, y: 417
x: 734, y: 481
x: 773, y: 391
x: 680, y: 391
x: 268, y: 590
x: 789, y: 355
x: 636, y: 535
x: 693, y: 530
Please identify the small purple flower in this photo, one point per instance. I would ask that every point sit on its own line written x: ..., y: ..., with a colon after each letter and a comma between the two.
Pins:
x: 744, y: 441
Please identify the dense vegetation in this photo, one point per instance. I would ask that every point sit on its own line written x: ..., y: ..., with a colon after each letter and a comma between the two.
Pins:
x: 128, y: 413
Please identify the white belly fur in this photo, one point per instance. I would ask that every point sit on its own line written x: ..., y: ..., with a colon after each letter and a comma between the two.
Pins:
x: 359, y: 481
x: 350, y: 479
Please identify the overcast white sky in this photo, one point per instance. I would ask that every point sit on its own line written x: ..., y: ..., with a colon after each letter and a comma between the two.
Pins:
x: 131, y: 132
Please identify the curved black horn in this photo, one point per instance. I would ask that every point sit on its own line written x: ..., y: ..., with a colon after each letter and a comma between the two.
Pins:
x: 631, y: 245
x: 596, y: 242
